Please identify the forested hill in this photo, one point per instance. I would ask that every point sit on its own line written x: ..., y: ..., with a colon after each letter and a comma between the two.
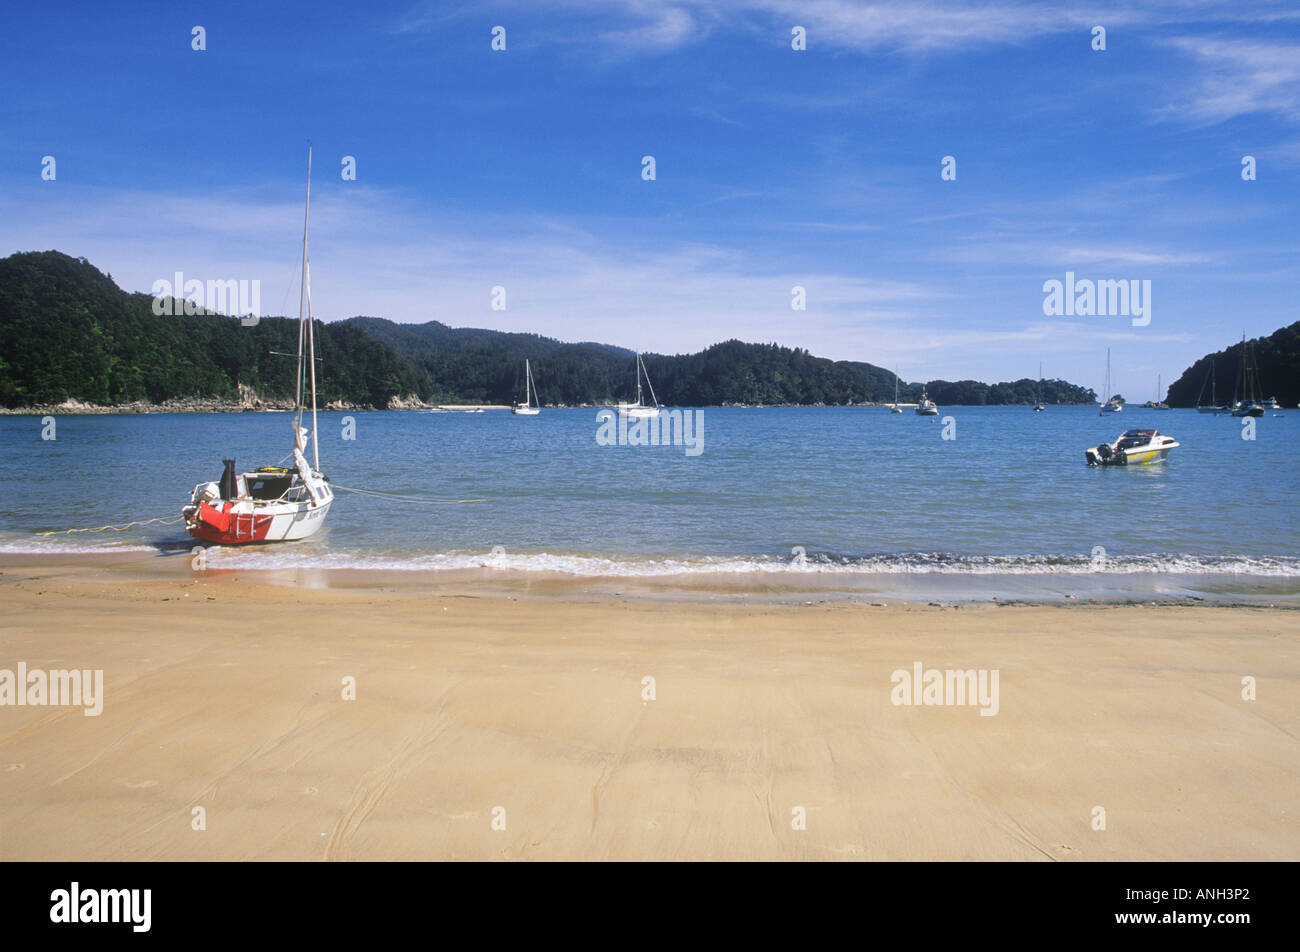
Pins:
x: 480, y: 366
x: 68, y: 332
x: 1277, y: 357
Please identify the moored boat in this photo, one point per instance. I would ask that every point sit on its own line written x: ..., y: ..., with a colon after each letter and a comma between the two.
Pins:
x: 1133, y: 448
x: 639, y: 410
x: 527, y: 408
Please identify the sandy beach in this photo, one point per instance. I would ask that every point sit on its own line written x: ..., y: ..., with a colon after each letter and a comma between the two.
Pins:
x: 477, y: 708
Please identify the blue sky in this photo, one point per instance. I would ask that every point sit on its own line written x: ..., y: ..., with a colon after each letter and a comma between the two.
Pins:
x: 775, y: 168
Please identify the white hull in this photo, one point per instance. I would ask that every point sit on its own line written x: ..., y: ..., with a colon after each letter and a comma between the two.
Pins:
x: 526, y: 411
x: 638, y: 413
x: 244, y: 521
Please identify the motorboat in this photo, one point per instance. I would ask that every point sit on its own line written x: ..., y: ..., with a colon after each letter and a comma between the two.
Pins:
x: 926, y: 407
x: 1133, y: 448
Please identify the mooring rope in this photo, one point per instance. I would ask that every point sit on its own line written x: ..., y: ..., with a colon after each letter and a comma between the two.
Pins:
x: 394, y: 497
x: 146, y: 522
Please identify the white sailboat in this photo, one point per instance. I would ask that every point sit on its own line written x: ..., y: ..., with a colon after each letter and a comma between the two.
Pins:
x: 272, y: 503
x: 1111, y: 405
x: 895, y: 408
x: 527, y: 408
x: 1213, y: 406
x: 1249, y: 404
x: 1157, y: 403
x: 1038, y: 401
x: 639, y: 410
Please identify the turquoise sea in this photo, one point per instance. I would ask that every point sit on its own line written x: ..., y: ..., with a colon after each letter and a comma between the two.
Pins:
x: 834, y: 498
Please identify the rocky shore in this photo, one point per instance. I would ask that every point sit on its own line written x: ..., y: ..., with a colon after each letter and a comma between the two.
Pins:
x: 249, y: 401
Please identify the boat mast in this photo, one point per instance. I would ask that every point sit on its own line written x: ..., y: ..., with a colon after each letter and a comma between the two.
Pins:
x: 311, y: 335
x: 647, y: 383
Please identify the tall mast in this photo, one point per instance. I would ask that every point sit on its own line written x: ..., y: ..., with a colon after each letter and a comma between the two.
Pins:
x: 638, y: 380
x: 305, y: 308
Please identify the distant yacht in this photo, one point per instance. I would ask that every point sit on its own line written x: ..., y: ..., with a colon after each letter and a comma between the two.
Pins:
x: 895, y: 408
x: 926, y: 407
x: 1249, y: 404
x: 1038, y: 403
x: 640, y: 410
x: 1213, y: 406
x: 1157, y: 403
x: 527, y: 408
x: 1111, y: 405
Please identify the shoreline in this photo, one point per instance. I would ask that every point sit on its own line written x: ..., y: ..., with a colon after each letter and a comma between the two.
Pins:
x: 515, y: 576
x: 74, y: 408
x: 226, y: 693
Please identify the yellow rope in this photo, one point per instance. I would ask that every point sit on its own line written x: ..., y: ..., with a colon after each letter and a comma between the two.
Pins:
x: 165, y: 522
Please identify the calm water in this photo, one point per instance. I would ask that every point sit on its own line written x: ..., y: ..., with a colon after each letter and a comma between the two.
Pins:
x: 862, y: 491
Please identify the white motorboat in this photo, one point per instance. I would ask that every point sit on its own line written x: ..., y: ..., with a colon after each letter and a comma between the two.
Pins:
x: 1133, y: 448
x: 272, y: 503
x: 527, y: 408
x: 639, y: 410
x: 926, y: 407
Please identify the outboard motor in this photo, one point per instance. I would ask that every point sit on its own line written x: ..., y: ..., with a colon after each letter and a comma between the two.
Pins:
x: 1104, y: 451
x: 228, y: 480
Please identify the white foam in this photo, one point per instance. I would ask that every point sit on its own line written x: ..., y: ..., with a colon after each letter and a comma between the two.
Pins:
x: 649, y: 567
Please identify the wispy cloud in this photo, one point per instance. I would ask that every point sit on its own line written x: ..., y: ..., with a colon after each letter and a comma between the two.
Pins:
x: 1238, y: 77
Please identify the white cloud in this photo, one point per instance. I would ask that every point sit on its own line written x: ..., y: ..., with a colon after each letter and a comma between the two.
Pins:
x: 1239, y: 77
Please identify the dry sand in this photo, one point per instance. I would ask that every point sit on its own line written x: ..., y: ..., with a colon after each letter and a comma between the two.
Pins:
x: 226, y: 693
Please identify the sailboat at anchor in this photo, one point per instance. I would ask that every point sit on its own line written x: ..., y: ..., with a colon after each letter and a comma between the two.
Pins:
x: 527, y: 408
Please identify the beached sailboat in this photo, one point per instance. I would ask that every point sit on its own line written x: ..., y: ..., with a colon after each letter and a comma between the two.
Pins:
x: 1248, y: 404
x: 527, y: 408
x: 1111, y: 405
x: 1038, y: 399
x: 641, y: 410
x: 895, y: 408
x: 272, y: 503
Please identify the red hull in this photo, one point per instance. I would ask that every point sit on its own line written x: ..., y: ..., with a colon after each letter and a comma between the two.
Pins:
x: 219, y: 527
